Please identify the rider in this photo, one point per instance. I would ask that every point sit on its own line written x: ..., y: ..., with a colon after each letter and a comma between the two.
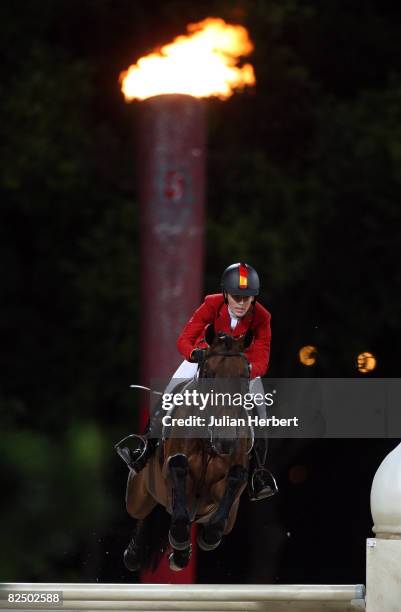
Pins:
x: 234, y: 311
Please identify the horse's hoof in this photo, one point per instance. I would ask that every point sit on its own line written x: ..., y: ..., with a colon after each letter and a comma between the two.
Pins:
x: 178, y: 545
x: 203, y: 545
x: 131, y: 561
x: 172, y: 564
x: 179, y: 559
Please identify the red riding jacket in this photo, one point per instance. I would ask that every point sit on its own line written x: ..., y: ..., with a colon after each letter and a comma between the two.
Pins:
x: 215, y: 310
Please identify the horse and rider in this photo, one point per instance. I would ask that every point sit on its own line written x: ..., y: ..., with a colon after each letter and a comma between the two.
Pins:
x: 230, y: 328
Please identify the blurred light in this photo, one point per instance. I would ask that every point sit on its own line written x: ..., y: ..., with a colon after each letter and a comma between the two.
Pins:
x: 307, y: 355
x: 366, y: 362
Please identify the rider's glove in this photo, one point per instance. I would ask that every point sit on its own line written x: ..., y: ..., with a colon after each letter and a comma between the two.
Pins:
x: 198, y: 355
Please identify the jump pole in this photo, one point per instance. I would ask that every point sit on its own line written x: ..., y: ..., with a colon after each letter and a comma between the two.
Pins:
x: 171, y: 178
x: 199, y: 598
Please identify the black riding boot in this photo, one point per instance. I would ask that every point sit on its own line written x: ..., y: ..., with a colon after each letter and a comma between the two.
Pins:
x: 136, y: 458
x: 261, y: 482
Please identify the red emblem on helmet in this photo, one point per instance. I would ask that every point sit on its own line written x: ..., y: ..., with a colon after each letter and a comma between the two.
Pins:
x: 243, y: 277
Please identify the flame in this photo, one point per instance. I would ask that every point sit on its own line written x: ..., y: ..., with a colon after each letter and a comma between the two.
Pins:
x: 202, y: 63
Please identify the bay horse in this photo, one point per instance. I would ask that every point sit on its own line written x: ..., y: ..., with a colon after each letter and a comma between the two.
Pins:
x: 197, y: 480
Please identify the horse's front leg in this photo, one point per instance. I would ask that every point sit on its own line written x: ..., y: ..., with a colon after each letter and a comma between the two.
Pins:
x: 210, y: 535
x: 138, y: 501
x: 180, y: 528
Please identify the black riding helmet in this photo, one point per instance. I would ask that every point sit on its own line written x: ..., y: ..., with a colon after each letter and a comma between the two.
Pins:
x: 240, y: 279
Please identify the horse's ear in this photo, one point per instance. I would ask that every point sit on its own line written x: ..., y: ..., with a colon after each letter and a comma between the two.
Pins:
x: 248, y: 338
x: 210, y: 334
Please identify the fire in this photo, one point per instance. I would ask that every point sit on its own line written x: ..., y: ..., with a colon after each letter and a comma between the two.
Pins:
x: 202, y: 63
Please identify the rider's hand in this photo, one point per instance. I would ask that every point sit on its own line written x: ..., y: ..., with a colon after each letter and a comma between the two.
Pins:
x: 198, y: 355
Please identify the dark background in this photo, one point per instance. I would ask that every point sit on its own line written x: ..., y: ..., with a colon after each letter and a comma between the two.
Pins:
x: 304, y: 176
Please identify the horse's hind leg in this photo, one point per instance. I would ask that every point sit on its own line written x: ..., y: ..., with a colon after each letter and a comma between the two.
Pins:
x: 179, y: 535
x: 210, y: 535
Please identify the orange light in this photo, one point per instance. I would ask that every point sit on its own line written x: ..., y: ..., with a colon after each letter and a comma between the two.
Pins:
x: 366, y: 362
x: 307, y: 355
x: 203, y: 63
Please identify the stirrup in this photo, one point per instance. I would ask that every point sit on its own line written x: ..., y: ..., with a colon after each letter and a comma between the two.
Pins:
x: 124, y: 449
x: 266, y: 491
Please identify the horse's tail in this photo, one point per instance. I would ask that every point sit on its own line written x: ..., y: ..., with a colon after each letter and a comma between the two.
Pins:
x: 152, y: 537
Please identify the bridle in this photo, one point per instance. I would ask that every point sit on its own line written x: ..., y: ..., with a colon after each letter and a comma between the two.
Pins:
x: 202, y: 376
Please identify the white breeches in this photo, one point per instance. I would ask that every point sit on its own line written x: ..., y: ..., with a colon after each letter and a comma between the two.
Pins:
x: 187, y: 369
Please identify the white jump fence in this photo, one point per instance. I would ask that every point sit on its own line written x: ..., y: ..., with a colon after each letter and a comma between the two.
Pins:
x: 200, y: 597
x: 383, y: 577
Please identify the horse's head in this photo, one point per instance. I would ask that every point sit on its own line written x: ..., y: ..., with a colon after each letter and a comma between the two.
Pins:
x: 226, y: 363
x: 225, y: 356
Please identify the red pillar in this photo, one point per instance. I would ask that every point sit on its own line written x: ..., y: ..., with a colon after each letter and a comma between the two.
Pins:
x: 171, y: 159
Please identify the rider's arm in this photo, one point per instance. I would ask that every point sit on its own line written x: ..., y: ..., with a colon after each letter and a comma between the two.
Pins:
x: 193, y: 330
x: 259, y: 352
